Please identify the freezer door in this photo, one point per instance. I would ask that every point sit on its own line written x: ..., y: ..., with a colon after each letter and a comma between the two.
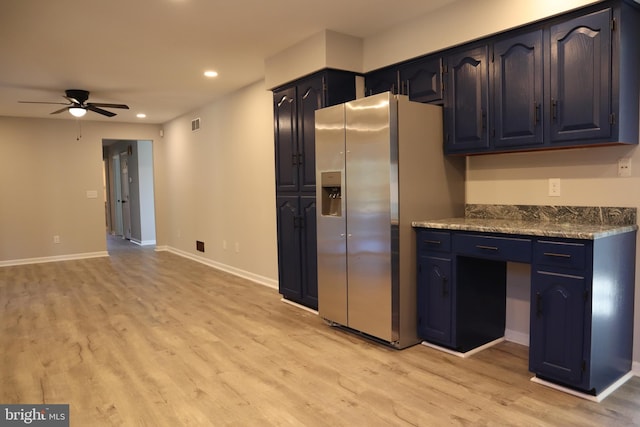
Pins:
x: 372, y: 212
x: 331, y: 221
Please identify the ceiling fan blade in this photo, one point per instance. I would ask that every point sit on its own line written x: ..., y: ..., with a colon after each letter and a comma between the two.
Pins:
x: 72, y: 100
x: 95, y: 109
x: 60, y: 110
x: 39, y: 102
x: 100, y: 104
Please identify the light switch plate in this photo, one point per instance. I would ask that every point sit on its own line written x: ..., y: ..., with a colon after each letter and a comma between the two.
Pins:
x: 554, y: 187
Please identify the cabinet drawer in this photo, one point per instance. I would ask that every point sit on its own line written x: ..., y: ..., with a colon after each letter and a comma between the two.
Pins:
x: 429, y: 241
x: 560, y: 254
x: 503, y: 248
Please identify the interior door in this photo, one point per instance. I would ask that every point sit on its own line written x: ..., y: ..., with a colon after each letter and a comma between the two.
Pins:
x: 117, y: 196
x: 124, y: 182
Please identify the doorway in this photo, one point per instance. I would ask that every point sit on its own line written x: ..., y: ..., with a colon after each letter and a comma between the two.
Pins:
x: 130, y: 199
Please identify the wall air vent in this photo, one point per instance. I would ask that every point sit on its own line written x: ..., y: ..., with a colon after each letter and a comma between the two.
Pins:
x: 195, y: 124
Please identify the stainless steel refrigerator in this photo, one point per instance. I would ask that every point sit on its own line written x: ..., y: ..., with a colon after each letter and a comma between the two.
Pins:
x: 379, y: 166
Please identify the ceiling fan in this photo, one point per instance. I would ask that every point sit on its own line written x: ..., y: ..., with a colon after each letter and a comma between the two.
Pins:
x: 78, y: 104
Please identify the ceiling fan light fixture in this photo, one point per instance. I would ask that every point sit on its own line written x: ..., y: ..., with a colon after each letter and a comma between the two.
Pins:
x: 77, y: 111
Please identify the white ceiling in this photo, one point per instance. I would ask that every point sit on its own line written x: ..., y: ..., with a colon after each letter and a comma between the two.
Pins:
x: 151, y: 54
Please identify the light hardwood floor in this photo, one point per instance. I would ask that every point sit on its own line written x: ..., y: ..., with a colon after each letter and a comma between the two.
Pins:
x: 143, y: 338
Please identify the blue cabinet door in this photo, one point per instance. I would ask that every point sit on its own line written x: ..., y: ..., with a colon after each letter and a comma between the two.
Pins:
x: 286, y: 138
x: 289, y: 240
x: 297, y: 259
x: 307, y: 226
x: 518, y: 107
x: 310, y: 98
x: 421, y: 80
x: 581, y: 78
x: 434, y: 299
x: 382, y: 80
x: 466, y: 108
x: 557, y: 327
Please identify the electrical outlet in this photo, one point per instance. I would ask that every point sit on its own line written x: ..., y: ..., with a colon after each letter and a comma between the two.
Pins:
x: 224, y: 245
x: 56, y: 239
x: 554, y: 187
x: 237, y: 247
x: 624, y: 166
x: 199, y: 246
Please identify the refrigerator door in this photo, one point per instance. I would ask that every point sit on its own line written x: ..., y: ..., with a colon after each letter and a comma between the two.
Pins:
x: 372, y: 210
x: 331, y: 220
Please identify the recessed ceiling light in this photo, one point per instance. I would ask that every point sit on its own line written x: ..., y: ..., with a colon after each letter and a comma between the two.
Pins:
x: 141, y: 115
x: 211, y: 74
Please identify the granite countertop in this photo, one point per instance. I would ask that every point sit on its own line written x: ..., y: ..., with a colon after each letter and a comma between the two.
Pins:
x: 526, y: 227
x: 571, y: 222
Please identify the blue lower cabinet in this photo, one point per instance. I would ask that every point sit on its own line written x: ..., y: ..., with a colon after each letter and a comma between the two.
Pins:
x: 582, y: 295
x: 434, y: 299
x: 461, y: 300
x: 557, y: 327
x: 581, y: 307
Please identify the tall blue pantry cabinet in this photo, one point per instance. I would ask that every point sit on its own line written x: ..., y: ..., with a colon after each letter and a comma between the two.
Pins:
x: 294, y: 107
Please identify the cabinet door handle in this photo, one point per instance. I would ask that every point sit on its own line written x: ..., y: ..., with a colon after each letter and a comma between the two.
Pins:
x: 536, y: 113
x: 553, y: 254
x: 538, y: 304
x: 445, y: 287
x: 484, y: 119
x: 432, y: 242
x: 490, y: 248
x: 294, y: 159
x: 554, y: 109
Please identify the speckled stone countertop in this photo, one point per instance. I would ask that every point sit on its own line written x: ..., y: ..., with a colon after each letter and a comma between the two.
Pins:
x: 550, y: 221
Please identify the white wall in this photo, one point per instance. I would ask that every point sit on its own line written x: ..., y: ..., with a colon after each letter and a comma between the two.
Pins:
x: 220, y: 185
x: 45, y: 173
x: 147, y: 196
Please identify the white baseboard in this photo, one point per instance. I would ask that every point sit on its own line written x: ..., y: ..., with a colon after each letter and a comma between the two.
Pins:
x: 516, y: 337
x: 143, y: 242
x: 68, y: 257
x: 256, y: 278
x: 466, y: 354
x: 300, y: 306
x: 598, y: 398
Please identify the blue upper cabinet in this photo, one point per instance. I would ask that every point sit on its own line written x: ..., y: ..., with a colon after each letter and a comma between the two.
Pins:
x: 570, y: 81
x: 581, y: 85
x: 421, y: 80
x: 466, y: 108
x: 286, y: 131
x: 517, y: 83
x: 382, y: 80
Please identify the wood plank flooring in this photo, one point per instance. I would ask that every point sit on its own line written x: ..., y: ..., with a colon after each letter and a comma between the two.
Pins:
x: 151, y: 339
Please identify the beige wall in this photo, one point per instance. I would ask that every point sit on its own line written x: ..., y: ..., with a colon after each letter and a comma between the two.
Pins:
x: 45, y: 173
x: 457, y: 23
x: 220, y: 185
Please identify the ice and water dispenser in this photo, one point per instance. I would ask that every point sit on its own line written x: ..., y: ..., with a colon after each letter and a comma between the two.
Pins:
x: 331, y: 193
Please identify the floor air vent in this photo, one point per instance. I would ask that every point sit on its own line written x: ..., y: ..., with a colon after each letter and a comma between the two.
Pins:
x: 195, y: 124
